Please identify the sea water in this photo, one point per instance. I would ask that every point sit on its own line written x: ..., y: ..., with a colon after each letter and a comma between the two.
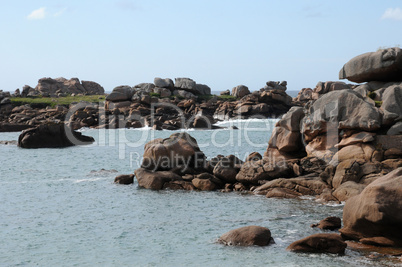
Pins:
x: 60, y: 207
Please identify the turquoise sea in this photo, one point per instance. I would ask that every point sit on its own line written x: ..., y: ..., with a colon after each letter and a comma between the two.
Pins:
x: 60, y: 207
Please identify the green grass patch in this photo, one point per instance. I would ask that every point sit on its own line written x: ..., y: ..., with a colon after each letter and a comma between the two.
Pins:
x: 378, y: 104
x: 42, y: 102
x: 227, y: 98
x: 155, y: 95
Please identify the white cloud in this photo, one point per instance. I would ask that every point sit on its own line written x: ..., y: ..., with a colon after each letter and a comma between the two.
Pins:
x: 60, y: 12
x: 39, y: 13
x: 392, y: 13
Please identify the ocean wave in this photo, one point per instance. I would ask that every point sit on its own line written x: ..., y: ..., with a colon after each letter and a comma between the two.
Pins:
x: 89, y: 180
x: 246, y: 120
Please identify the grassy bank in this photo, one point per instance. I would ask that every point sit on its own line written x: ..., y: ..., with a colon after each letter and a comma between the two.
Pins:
x: 41, y: 102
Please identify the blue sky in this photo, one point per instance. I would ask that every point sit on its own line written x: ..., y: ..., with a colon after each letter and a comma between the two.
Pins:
x: 219, y: 43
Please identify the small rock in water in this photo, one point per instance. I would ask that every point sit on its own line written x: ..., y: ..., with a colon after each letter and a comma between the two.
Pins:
x: 13, y: 142
x: 124, y: 179
x: 247, y: 236
x: 329, y: 223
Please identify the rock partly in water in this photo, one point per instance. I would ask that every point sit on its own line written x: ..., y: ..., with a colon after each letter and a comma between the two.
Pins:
x: 375, y: 215
x: 329, y: 223
x: 154, y: 180
x: 319, y: 243
x: 227, y: 168
x: 124, y: 179
x: 179, y: 150
x: 247, y: 236
x: 52, y: 136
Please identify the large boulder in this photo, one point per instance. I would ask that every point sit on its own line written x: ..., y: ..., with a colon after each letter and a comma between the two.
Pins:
x: 240, y: 91
x: 203, y: 89
x: 163, y: 83
x: 121, y: 93
x: 180, y: 150
x: 392, y: 103
x: 227, y: 168
x: 347, y: 190
x: 319, y: 243
x: 146, y: 87
x: 304, y: 185
x: 155, y: 180
x: 326, y: 87
x: 92, y: 88
x: 186, y: 84
x: 383, y: 65
x: 343, y: 110
x: 247, y: 236
x: 252, y: 172
x: 286, y: 136
x: 52, y: 135
x: 375, y: 215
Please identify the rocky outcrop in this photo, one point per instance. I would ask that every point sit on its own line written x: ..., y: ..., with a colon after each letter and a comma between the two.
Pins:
x: 61, y: 87
x: 392, y: 102
x: 227, y: 168
x: 240, y: 91
x: 252, y: 172
x: 375, y: 215
x: 52, y: 136
x: 121, y: 93
x: 291, y: 187
x: 347, y: 109
x: 286, y: 136
x: 272, y: 85
x: 319, y: 243
x: 383, y: 65
x: 180, y: 150
x: 163, y: 83
x: 155, y: 180
x: 247, y: 236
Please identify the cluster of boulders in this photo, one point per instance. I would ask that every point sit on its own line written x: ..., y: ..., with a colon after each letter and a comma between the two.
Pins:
x: 170, y: 105
x: 163, y: 104
x: 48, y: 87
x: 4, y: 98
x: 185, y: 88
x: 338, y: 146
x: 271, y: 100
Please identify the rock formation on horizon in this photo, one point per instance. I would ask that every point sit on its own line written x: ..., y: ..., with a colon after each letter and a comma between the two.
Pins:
x: 49, y: 87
